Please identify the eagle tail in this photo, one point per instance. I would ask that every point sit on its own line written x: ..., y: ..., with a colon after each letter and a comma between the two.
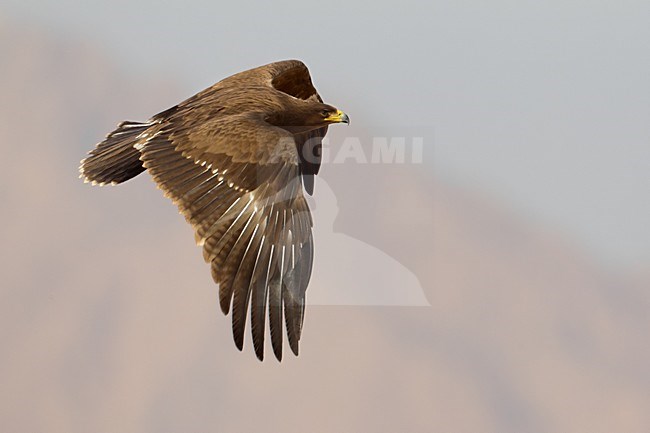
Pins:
x: 116, y: 159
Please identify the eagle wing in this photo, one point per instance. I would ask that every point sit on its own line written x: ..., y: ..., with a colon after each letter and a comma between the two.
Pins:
x: 236, y: 179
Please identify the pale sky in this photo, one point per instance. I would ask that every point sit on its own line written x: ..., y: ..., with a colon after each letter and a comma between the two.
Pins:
x: 543, y: 105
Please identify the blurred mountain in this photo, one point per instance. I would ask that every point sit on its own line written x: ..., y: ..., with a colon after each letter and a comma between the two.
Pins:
x: 109, y: 319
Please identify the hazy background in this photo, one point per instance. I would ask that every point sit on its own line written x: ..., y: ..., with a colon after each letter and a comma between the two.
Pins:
x: 525, y: 225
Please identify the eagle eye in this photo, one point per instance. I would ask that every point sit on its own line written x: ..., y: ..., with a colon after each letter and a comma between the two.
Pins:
x: 325, y: 113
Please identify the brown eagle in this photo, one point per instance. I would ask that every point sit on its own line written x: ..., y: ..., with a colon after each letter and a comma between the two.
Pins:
x: 234, y: 158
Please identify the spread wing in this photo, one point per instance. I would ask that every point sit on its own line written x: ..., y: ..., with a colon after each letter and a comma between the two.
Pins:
x: 236, y: 179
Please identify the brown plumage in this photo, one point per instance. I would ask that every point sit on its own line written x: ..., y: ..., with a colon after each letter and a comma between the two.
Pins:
x: 234, y: 158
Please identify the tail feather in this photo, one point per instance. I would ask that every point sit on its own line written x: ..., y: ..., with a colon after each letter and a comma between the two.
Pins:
x: 115, y: 159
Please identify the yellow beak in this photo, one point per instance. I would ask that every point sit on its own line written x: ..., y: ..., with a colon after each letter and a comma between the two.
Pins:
x: 338, y: 117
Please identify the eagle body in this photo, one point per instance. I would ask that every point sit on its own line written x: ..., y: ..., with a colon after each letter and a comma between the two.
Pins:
x: 235, y: 158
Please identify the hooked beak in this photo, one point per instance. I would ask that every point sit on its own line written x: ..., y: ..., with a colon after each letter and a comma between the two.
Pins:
x: 338, y: 117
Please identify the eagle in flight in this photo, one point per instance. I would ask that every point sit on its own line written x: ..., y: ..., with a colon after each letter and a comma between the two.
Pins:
x: 235, y: 158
